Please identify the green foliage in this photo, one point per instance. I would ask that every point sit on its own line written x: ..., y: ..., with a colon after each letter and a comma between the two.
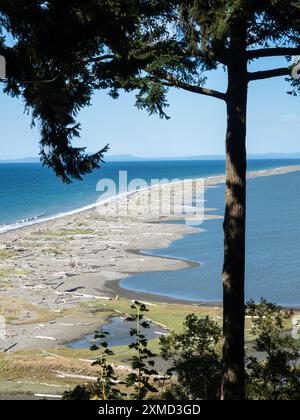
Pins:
x: 143, y: 374
x: 196, y: 361
x: 59, y: 52
x: 186, y: 38
x: 274, y: 373
x: 141, y: 363
x: 79, y: 393
x: 105, y: 389
x: 195, y: 358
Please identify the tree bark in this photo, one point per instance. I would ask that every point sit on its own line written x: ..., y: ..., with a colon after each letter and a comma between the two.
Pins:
x: 234, y: 227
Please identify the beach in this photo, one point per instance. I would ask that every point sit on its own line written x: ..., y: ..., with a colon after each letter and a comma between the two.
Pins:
x: 48, y: 270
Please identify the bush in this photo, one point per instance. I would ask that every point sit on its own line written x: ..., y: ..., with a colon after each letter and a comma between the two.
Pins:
x: 273, y: 374
x: 196, y: 359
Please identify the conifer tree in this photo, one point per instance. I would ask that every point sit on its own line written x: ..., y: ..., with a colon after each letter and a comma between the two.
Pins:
x: 188, y: 39
x: 53, y: 50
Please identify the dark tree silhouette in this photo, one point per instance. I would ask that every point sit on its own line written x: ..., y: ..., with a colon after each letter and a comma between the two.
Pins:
x: 186, y: 40
x: 53, y: 52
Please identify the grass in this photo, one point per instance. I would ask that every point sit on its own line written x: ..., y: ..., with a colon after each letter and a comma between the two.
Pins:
x: 51, y: 251
x: 68, y: 232
x: 170, y: 315
x: 28, y: 371
x: 5, y: 284
x: 11, y: 272
x: 32, y: 371
x: 37, y: 241
x: 77, y: 231
x: 19, y: 312
x: 6, y: 254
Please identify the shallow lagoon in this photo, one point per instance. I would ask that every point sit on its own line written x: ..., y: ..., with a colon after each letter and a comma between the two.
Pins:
x: 273, y: 248
x: 118, y: 330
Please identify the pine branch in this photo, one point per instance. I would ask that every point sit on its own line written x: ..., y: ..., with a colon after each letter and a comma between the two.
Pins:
x: 267, y: 74
x: 272, y: 52
x: 200, y: 90
x: 170, y: 81
x: 100, y: 58
x: 31, y: 82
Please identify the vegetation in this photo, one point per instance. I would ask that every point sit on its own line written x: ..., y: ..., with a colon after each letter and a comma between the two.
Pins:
x: 141, y: 362
x: 105, y: 388
x: 142, y: 376
x: 151, y: 46
x: 196, y: 361
x: 274, y: 374
x: 7, y: 253
x: 19, y: 312
x: 204, y: 37
x: 10, y: 272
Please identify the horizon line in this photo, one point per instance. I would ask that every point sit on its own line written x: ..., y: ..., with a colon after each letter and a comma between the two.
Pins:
x: 121, y: 157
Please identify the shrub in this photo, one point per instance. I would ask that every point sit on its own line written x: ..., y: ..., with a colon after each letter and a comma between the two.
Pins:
x: 196, y: 359
x: 273, y: 374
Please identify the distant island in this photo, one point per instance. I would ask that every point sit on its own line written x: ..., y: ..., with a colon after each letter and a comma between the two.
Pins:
x: 131, y: 158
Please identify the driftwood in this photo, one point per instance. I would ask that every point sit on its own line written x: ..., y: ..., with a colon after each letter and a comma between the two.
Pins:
x: 60, y: 284
x: 41, y: 337
x: 74, y: 289
x: 93, y: 296
x: 9, y: 347
x: 146, y: 303
x: 48, y: 396
x: 83, y: 295
x: 50, y: 385
x: 64, y: 375
x: 53, y: 355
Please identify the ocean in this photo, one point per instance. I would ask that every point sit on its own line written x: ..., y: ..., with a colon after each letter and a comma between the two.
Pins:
x: 31, y: 193
x: 272, y: 250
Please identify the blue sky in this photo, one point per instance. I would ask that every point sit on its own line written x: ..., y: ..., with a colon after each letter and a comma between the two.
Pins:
x: 197, y: 125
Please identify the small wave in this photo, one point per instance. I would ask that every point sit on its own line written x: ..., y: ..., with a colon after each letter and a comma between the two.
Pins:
x: 44, y: 218
x: 220, y: 178
x: 30, y: 219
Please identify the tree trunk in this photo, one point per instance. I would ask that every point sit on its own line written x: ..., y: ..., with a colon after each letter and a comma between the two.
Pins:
x: 234, y: 230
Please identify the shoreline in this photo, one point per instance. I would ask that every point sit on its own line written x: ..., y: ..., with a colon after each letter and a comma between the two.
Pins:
x: 51, y: 270
x: 113, y: 287
x: 211, y: 180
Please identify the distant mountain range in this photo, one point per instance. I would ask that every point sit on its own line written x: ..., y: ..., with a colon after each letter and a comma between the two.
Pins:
x: 127, y: 158
x: 131, y: 158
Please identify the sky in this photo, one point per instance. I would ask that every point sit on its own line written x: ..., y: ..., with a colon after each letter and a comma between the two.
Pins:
x: 197, y: 125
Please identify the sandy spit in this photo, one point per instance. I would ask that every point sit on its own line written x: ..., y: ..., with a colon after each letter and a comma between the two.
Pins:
x: 49, y: 269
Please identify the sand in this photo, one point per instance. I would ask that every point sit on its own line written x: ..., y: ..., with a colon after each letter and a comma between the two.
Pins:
x: 49, y: 269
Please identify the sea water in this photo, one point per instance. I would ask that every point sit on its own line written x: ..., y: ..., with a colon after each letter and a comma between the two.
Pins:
x: 273, y: 248
x: 31, y: 193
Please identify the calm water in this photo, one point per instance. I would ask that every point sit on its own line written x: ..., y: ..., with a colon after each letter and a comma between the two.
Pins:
x: 31, y: 192
x: 273, y: 248
x: 118, y: 334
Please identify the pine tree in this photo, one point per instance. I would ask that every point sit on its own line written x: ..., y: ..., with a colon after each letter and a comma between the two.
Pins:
x: 173, y: 50
x: 52, y: 51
